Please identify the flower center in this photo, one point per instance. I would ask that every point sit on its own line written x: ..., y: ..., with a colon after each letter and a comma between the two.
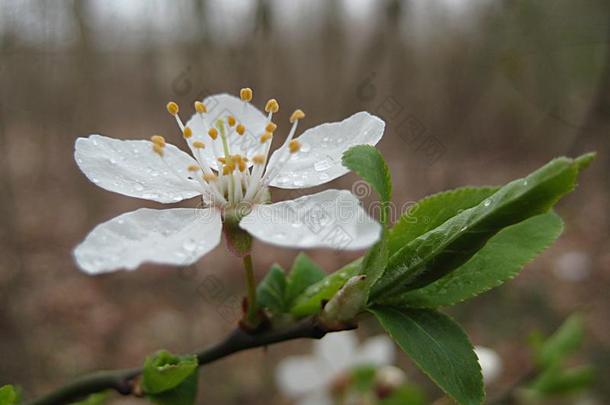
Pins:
x: 232, y: 181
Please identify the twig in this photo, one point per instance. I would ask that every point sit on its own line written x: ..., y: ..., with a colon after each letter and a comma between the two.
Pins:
x: 125, y: 381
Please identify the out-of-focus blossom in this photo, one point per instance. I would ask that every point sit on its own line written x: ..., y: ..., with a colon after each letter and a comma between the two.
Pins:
x: 491, y: 363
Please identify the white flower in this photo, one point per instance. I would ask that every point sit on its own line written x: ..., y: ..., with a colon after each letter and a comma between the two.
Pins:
x: 230, y: 141
x: 310, y: 378
x: 490, y: 362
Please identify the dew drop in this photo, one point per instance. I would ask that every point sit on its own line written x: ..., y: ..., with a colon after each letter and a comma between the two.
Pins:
x: 487, y: 202
x: 298, y: 183
x: 113, y: 161
x: 322, y: 165
x: 280, y: 235
x: 305, y: 147
x: 139, y: 187
x: 323, y: 176
x: 95, y: 180
x: 525, y: 182
x: 190, y: 245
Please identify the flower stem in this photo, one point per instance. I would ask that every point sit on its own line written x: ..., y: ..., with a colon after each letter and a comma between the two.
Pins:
x: 251, y: 284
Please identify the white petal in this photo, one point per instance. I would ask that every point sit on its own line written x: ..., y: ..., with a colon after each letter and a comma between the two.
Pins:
x: 329, y: 219
x: 176, y: 236
x: 319, y: 160
x: 337, y: 350
x: 299, y: 375
x: 132, y: 168
x: 219, y: 107
x: 491, y: 363
x: 376, y: 351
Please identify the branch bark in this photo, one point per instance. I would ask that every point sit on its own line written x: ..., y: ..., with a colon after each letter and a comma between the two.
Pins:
x: 125, y: 381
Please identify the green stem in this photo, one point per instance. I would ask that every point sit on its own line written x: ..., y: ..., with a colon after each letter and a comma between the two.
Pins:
x: 251, y: 284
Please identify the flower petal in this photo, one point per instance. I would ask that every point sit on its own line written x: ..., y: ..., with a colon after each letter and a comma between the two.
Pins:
x: 299, y: 375
x: 376, y: 351
x: 131, y: 168
x: 319, y: 160
x: 330, y: 219
x: 337, y: 350
x: 220, y: 106
x: 177, y: 236
x: 490, y: 362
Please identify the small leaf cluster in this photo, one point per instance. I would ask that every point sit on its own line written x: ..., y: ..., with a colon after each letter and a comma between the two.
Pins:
x: 451, y: 247
x: 169, y: 379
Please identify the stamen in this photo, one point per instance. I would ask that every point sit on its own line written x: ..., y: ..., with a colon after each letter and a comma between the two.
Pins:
x: 210, y: 177
x: 158, y: 140
x: 294, y: 146
x: 240, y: 129
x: 245, y: 94
x: 231, y: 120
x: 222, y: 160
x: 172, y: 108
x: 213, y: 132
x: 198, y: 145
x: 271, y: 127
x: 228, y: 168
x: 200, y: 107
x: 266, y: 136
x: 193, y: 168
x: 158, y: 149
x: 297, y: 115
x: 272, y: 106
x: 258, y: 159
x: 187, y: 132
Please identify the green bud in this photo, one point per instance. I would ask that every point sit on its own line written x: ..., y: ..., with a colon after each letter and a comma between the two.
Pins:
x: 347, y: 303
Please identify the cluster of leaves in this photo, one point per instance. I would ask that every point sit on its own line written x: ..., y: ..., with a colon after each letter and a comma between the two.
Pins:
x: 9, y: 395
x: 553, y: 378
x: 451, y: 247
x: 169, y: 379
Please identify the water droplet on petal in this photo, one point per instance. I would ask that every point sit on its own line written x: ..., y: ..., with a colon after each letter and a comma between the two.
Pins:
x: 190, y: 245
x: 323, y: 176
x: 487, y: 202
x: 138, y: 187
x: 322, y: 165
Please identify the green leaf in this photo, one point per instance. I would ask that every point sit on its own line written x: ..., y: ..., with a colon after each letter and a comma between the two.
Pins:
x: 375, y: 260
x: 432, y: 211
x: 271, y: 292
x: 164, y: 371
x: 303, y: 274
x: 94, y: 399
x: 9, y: 395
x: 367, y: 162
x: 405, y: 394
x: 310, y: 301
x: 184, y: 394
x: 565, y: 341
x: 501, y: 259
x: 555, y: 381
x: 439, y: 347
x: 444, y: 248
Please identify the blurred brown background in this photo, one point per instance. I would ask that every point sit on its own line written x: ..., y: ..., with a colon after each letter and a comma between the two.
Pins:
x: 473, y: 92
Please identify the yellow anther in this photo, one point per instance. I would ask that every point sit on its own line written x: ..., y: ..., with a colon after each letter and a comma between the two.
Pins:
x: 158, y: 149
x: 193, y: 168
x: 294, y: 146
x: 187, y: 133
x: 258, y: 159
x: 241, y: 129
x: 172, y: 108
x: 158, y: 140
x: 200, y: 107
x: 266, y: 136
x: 272, y: 106
x: 228, y: 168
x: 245, y: 94
x: 213, y: 132
x: 209, y: 177
x: 222, y: 160
x: 297, y: 115
x: 242, y: 165
x: 270, y: 127
x: 231, y: 120
x: 198, y: 145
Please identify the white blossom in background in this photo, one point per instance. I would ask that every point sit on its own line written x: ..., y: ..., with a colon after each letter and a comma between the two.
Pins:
x: 231, y: 169
x: 490, y: 362
x: 309, y: 379
x: 573, y: 266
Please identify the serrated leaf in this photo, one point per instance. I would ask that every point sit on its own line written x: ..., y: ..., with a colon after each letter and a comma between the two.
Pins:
x: 439, y: 347
x: 501, y: 259
x: 310, y: 301
x: 163, y: 371
x: 444, y: 248
x: 432, y: 211
x: 367, y: 162
x: 565, y: 341
x: 271, y: 291
x: 9, y: 395
x: 303, y: 274
x: 184, y: 394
